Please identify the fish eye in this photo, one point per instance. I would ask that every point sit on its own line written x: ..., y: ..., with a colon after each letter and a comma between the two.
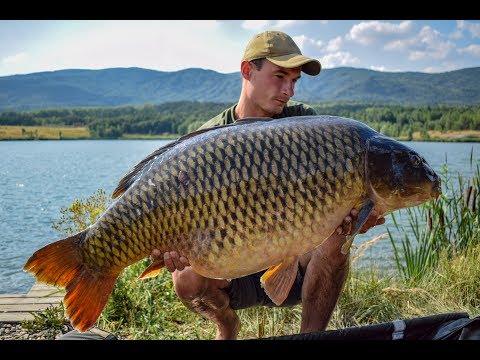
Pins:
x: 415, y: 159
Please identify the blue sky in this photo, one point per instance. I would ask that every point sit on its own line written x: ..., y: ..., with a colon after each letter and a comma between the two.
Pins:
x: 28, y: 46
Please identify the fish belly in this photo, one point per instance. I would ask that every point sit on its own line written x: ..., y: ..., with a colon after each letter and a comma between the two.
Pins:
x: 261, y: 250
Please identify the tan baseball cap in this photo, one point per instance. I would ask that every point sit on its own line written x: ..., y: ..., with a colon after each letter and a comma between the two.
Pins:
x: 280, y: 49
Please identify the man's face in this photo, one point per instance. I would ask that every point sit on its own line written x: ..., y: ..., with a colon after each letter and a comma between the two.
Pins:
x: 272, y: 86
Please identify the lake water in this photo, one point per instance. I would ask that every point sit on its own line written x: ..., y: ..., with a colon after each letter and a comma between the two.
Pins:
x: 38, y: 178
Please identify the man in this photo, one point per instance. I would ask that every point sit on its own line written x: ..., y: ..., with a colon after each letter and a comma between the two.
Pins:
x: 270, y: 68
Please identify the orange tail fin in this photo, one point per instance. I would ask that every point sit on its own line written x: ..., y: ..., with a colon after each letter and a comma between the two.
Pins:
x: 87, y: 288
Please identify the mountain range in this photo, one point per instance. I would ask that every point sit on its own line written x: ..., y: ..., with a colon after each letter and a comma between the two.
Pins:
x: 137, y: 86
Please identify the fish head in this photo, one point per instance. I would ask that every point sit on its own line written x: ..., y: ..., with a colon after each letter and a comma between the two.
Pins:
x: 399, y: 176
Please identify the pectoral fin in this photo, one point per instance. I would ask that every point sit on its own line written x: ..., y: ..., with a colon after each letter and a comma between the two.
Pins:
x: 278, y: 280
x: 153, y: 269
x: 362, y: 218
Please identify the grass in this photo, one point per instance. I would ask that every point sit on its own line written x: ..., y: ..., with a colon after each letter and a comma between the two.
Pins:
x: 437, y: 272
x: 464, y: 135
x: 43, y: 133
x: 52, y: 319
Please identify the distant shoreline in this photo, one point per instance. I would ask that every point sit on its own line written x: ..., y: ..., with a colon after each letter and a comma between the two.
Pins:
x: 82, y: 133
x: 18, y: 132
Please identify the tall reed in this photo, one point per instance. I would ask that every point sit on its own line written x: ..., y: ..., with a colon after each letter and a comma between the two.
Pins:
x: 448, y: 224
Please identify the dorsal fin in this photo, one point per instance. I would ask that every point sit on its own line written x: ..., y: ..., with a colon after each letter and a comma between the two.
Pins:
x: 133, y: 174
x: 138, y: 169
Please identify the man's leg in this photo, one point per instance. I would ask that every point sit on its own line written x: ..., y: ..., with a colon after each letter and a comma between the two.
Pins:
x: 208, y: 298
x: 326, y: 270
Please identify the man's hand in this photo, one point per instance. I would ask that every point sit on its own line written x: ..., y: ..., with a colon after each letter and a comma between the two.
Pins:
x: 172, y: 260
x: 346, y: 227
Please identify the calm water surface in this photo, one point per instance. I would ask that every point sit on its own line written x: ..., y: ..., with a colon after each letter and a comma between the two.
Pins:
x: 38, y: 178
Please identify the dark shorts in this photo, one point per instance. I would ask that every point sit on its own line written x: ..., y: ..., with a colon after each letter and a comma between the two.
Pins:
x: 247, y: 292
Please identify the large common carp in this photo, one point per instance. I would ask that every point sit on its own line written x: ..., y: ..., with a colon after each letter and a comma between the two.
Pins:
x: 234, y: 200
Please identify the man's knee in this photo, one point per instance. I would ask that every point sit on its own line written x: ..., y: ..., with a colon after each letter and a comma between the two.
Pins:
x: 188, y: 284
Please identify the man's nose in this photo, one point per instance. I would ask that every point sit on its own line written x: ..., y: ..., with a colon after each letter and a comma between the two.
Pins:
x: 289, y: 89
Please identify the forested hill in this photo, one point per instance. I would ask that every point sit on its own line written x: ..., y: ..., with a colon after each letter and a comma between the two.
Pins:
x: 137, y: 86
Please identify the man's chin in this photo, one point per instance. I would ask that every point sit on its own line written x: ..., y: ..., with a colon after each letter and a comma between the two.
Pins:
x: 277, y: 110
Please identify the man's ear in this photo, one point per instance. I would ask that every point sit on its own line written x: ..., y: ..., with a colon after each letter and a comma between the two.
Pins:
x: 245, y: 69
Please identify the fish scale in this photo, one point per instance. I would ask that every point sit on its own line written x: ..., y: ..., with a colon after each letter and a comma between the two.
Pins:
x: 235, y: 200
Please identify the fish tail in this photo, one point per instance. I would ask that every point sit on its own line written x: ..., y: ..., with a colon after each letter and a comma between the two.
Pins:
x: 87, y: 290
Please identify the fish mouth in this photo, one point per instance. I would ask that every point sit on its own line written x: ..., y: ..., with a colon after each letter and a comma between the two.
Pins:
x: 436, y: 189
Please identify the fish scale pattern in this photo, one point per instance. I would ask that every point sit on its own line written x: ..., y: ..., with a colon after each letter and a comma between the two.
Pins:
x: 217, y: 198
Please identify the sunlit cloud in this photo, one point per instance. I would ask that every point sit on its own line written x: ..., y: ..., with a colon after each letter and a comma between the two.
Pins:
x: 285, y: 23
x: 385, y: 68
x: 334, y: 45
x: 428, y: 43
x: 431, y: 45
x: 472, y: 28
x: 255, y: 24
x: 378, y: 68
x: 340, y: 58
x: 367, y: 33
x: 15, y: 60
x: 261, y: 25
x: 456, y: 34
x: 470, y: 50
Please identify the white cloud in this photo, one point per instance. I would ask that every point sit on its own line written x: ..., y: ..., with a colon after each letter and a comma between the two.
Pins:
x: 399, y: 45
x: 472, y: 28
x: 458, y: 32
x: 340, y: 58
x: 14, y: 60
x: 367, y: 33
x: 285, y: 23
x: 378, y: 68
x: 255, y: 24
x: 428, y: 43
x: 334, y: 45
x: 262, y: 25
x: 470, y: 50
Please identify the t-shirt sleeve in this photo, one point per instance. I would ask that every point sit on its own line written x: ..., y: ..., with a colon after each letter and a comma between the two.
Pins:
x: 211, y: 123
x: 225, y: 117
x: 294, y: 108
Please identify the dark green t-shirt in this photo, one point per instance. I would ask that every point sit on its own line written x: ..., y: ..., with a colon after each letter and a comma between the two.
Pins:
x: 292, y: 108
